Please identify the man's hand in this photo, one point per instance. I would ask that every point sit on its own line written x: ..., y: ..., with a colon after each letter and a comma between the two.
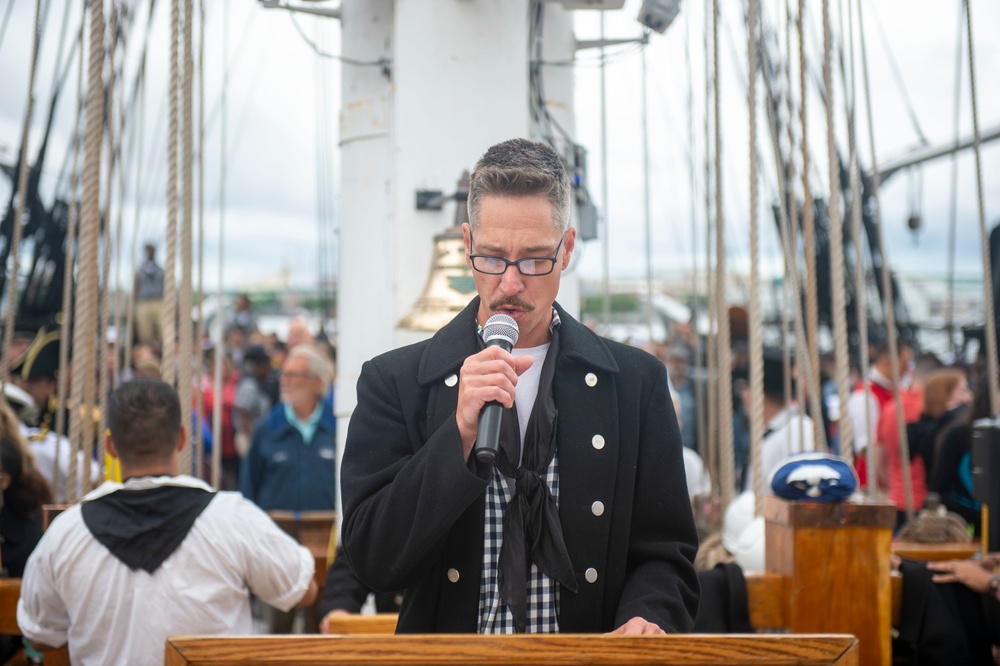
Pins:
x: 970, y: 573
x: 324, y: 624
x: 637, y: 626
x: 487, y: 376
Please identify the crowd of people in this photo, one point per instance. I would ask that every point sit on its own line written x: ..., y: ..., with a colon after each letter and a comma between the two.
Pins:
x: 939, y: 404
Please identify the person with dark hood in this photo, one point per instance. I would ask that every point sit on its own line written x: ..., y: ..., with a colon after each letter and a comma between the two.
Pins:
x: 157, y: 555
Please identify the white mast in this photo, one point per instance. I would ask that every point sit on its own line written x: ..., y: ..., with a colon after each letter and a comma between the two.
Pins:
x: 454, y: 80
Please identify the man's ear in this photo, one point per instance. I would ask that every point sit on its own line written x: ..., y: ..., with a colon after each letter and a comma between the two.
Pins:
x: 468, y: 244
x: 568, y: 245
x: 4, y: 480
x: 109, y: 445
x: 182, y: 440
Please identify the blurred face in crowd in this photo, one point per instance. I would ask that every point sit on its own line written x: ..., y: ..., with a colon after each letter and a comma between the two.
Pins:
x: 960, y: 395
x: 300, y: 388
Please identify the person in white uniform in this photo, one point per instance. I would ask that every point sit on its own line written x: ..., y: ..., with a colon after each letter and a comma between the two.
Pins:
x: 161, y: 554
x: 786, y: 429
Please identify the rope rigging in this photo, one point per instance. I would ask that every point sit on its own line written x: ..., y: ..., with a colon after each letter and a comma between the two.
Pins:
x: 756, y: 329
x: 712, y: 431
x: 861, y: 317
x: 890, y: 313
x: 836, y: 245
x: 22, y: 195
x: 809, y: 232
x: 953, y: 209
x: 198, y: 440
x: 184, y: 374
x: 84, y: 324
x: 66, y: 325
x: 169, y: 314
x: 990, y: 318
x: 727, y: 477
x: 104, y: 303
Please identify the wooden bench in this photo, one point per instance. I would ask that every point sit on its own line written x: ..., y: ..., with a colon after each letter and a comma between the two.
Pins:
x: 522, y: 650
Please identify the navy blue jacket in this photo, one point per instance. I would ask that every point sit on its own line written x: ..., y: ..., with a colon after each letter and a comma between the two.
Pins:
x: 280, y: 471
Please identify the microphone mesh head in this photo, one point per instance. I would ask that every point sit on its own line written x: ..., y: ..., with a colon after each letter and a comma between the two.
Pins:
x: 500, y: 326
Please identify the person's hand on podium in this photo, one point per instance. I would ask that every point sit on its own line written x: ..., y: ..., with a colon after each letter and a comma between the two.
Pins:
x: 324, y: 624
x: 636, y: 626
x: 978, y: 576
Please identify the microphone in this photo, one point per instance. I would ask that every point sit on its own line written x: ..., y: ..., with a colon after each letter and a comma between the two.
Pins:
x: 500, y: 331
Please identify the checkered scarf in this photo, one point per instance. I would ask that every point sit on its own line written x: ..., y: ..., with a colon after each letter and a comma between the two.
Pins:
x: 522, y: 523
x: 543, y: 592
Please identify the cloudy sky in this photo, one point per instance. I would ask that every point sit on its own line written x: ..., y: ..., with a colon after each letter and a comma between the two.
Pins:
x: 271, y: 130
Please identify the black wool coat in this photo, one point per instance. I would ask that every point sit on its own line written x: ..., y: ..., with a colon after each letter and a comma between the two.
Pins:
x: 414, y: 508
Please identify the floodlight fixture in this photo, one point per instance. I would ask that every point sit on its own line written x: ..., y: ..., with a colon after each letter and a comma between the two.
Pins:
x: 657, y: 15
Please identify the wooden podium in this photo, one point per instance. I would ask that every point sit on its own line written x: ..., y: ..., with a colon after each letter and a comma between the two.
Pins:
x: 836, y: 560
x: 523, y: 650
x: 316, y: 530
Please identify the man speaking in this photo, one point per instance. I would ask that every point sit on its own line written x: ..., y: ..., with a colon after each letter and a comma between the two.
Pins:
x: 582, y: 522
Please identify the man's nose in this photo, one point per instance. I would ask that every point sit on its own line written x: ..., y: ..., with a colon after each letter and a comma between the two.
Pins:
x: 511, y: 282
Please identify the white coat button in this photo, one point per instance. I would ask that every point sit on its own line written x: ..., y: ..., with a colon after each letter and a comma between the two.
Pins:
x: 597, y: 441
x: 591, y: 379
x: 453, y: 575
x: 590, y: 575
x: 451, y: 380
x: 597, y: 508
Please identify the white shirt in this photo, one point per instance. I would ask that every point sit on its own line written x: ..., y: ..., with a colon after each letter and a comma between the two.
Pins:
x: 44, y: 444
x: 783, y: 440
x: 698, y: 481
x: 865, y: 427
x: 75, y: 590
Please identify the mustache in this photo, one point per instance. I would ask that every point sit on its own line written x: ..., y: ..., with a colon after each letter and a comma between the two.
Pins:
x: 511, y: 302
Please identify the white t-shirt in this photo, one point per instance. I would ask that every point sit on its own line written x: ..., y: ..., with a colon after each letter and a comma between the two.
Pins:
x: 74, y: 590
x: 527, y: 385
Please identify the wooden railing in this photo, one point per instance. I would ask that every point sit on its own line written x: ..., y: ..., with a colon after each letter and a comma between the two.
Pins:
x: 547, y: 649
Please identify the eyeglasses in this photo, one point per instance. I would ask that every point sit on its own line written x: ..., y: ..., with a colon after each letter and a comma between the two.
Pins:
x: 529, y: 266
x: 298, y: 375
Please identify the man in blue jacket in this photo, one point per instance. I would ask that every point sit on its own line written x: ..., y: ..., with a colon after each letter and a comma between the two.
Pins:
x: 290, y: 465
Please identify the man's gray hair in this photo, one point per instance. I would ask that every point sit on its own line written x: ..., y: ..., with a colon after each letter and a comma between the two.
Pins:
x: 319, y: 365
x: 520, y: 168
